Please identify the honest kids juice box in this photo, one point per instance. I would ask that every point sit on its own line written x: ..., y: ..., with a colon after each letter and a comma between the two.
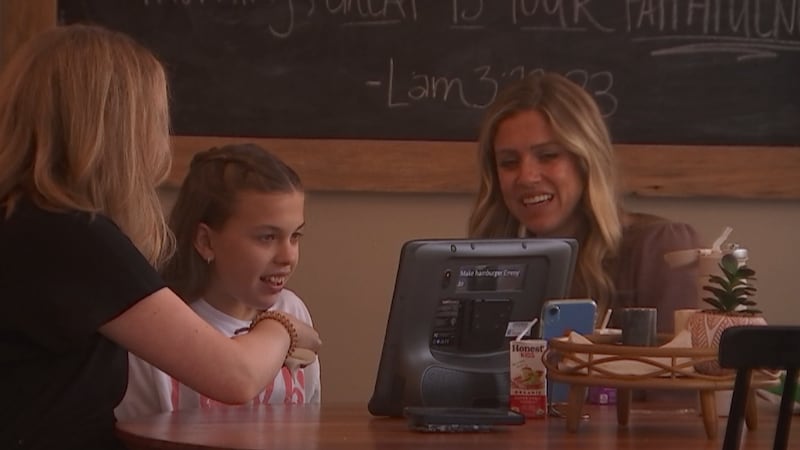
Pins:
x: 528, y: 394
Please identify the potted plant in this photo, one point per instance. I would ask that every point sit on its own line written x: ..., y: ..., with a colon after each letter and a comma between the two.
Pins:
x: 732, y: 303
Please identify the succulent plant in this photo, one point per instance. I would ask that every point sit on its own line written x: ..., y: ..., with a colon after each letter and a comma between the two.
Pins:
x: 734, y: 289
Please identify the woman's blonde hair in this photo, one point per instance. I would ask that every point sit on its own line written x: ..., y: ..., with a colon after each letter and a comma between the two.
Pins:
x: 84, y: 125
x: 208, y: 195
x: 578, y: 126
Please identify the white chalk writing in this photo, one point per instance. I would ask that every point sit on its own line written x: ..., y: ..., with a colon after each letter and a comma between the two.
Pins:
x: 479, y: 87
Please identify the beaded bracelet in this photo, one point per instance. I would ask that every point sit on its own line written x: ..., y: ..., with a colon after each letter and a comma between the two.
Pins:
x: 281, y: 319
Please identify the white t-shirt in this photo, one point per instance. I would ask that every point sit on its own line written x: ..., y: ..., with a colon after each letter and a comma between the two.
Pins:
x: 151, y: 391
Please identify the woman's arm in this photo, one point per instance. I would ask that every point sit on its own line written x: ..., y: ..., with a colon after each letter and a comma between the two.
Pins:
x: 164, y: 331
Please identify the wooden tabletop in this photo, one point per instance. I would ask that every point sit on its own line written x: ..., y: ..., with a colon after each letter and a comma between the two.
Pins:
x: 351, y: 427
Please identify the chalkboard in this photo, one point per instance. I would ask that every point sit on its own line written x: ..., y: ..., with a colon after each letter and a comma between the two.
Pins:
x: 663, y: 71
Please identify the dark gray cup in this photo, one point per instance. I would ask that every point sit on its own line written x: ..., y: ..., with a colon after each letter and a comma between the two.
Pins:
x: 639, y: 327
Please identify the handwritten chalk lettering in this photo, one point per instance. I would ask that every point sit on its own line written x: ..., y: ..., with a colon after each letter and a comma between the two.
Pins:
x: 288, y: 26
x: 391, y: 103
x: 369, y: 10
x: 479, y: 88
x: 759, y: 26
x: 356, y: 13
x: 467, y: 14
x: 449, y: 88
x: 519, y: 72
x: 757, y: 19
x: 599, y: 85
x: 435, y: 87
x: 282, y: 32
x: 566, y: 15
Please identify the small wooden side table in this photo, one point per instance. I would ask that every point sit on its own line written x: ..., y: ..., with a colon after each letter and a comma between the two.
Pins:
x: 597, y: 364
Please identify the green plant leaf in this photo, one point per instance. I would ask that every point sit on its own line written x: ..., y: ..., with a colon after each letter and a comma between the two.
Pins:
x: 716, y: 291
x: 729, y: 263
x: 714, y: 302
x: 716, y: 279
x: 732, y: 289
x: 743, y: 291
x: 746, y: 273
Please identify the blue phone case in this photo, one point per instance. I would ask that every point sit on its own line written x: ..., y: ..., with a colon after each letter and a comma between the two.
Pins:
x: 562, y: 316
x: 558, y: 318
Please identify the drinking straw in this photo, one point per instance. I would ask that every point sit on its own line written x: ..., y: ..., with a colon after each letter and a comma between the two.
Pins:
x: 527, y: 328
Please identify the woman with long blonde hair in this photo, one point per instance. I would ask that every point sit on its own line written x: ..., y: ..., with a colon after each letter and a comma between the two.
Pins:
x: 84, y: 142
x: 548, y: 169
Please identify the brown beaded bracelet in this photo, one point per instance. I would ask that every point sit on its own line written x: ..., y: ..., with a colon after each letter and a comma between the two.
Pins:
x: 281, y: 319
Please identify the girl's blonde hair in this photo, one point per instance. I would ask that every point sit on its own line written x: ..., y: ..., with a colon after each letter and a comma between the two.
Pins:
x: 208, y: 195
x: 579, y: 127
x: 84, y: 125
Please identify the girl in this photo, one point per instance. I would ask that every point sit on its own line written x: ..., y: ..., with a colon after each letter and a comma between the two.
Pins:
x: 237, y: 220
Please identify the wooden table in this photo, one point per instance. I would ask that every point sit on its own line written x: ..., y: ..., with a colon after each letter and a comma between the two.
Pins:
x: 351, y: 427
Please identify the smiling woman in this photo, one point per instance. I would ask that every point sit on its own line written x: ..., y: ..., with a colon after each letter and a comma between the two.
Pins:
x: 525, y: 154
x: 548, y: 170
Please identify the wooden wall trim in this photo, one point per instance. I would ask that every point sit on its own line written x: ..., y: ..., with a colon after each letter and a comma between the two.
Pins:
x: 357, y: 165
x: 450, y: 167
x: 711, y: 171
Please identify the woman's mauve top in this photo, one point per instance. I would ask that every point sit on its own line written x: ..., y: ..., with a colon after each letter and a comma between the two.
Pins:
x: 641, y: 275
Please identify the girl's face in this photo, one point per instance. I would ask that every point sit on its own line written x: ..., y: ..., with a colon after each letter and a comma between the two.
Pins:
x: 255, y: 251
x: 539, y: 179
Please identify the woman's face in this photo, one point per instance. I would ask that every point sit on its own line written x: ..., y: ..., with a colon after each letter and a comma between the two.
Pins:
x: 254, y: 252
x: 539, y: 179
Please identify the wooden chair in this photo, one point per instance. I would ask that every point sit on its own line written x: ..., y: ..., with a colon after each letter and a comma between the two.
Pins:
x: 745, y: 348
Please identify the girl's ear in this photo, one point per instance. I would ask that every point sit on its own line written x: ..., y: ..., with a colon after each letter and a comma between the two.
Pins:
x: 202, y: 242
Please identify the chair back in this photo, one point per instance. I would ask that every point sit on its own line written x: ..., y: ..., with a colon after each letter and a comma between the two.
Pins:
x: 745, y: 348
x: 760, y: 346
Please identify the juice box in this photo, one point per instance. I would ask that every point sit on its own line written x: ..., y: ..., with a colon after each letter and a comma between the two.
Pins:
x: 528, y: 374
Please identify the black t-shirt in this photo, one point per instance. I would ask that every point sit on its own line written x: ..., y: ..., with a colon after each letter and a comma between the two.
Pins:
x: 62, y: 276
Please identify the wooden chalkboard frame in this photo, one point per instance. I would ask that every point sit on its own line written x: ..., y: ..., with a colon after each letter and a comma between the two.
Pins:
x: 752, y: 172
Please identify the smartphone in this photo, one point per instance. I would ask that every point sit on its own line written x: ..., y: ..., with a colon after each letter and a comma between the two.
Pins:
x: 558, y: 319
x: 459, y: 419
